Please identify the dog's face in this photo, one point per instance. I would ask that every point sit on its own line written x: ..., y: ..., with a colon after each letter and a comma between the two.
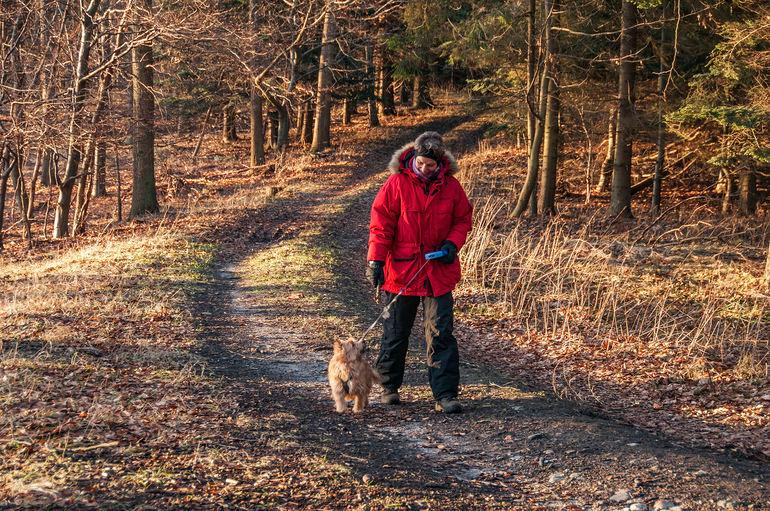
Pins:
x: 353, y: 351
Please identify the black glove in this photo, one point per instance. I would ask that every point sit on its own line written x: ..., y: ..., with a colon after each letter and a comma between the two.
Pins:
x: 375, y: 273
x: 451, y: 252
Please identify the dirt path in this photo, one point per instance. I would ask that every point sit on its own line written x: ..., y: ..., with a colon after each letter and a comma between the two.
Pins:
x: 277, y: 299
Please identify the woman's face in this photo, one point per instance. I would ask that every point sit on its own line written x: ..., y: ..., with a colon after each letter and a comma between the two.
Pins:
x: 426, y: 165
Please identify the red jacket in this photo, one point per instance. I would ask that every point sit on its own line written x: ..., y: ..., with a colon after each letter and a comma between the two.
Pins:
x: 409, y: 220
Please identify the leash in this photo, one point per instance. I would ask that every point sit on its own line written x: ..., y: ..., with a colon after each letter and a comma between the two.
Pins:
x: 428, y: 258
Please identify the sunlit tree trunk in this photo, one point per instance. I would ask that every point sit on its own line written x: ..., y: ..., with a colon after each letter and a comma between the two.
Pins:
x: 385, y: 81
x: 547, y: 196
x: 99, y: 189
x: 660, y: 161
x: 420, y: 95
x: 322, y: 128
x: 5, y: 173
x: 81, y: 203
x: 767, y: 270
x: 347, y: 111
x: 256, y: 134
x: 144, y: 198
x: 256, y: 137
x: 747, y: 191
x: 284, y: 123
x: 371, y: 101
x: 229, y: 131
x: 531, y: 69
x: 61, y: 219
x: 530, y: 183
x: 620, y: 200
x: 605, y: 174
x: 307, y: 129
x: 404, y: 90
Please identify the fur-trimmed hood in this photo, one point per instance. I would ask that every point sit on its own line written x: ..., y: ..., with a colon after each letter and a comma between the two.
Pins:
x: 402, y: 154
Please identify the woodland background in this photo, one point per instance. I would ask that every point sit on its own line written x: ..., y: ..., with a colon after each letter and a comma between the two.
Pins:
x: 619, y: 254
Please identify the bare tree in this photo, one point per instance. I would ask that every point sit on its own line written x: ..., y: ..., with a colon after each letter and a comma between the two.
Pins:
x: 620, y: 201
x: 530, y: 183
x: 371, y: 101
x: 321, y: 131
x: 547, y: 196
x: 532, y: 56
x: 661, y: 158
x: 747, y: 190
x: 605, y: 174
x: 99, y: 188
x: 144, y: 198
x: 74, y: 152
x: 229, y: 131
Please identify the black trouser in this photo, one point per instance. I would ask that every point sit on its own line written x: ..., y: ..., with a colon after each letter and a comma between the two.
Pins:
x: 444, y: 370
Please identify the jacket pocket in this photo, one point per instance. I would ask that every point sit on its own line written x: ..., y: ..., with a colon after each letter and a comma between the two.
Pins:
x: 402, y: 263
x: 405, y: 252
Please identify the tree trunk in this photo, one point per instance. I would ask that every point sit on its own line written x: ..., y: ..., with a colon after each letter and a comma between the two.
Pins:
x: 307, y: 129
x: 256, y: 137
x: 272, y: 129
x: 81, y: 204
x: 729, y: 189
x: 47, y: 175
x: 547, y: 204
x: 371, y: 101
x: 33, y: 185
x: 609, y: 160
x: 20, y: 190
x: 82, y: 196
x: 47, y: 82
x: 404, y: 90
x: 322, y: 128
x: 531, y: 68
x: 747, y: 196
x: 61, y: 219
x: 385, y: 80
x: 530, y: 183
x: 420, y: 97
x: 5, y: 173
x: 118, y: 189
x: 767, y: 271
x: 229, y: 132
x: 256, y: 132
x: 284, y: 123
x: 99, y: 189
x: 660, y: 161
x: 144, y: 198
x: 620, y: 201
x: 3, y: 192
x: 348, y: 109
x: 300, y: 121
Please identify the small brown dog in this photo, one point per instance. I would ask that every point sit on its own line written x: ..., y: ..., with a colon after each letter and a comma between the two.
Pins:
x: 350, y: 375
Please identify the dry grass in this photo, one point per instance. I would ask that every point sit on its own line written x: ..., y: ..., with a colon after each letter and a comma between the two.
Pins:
x: 573, y: 285
x: 653, y: 315
x: 95, y: 352
x: 572, y: 279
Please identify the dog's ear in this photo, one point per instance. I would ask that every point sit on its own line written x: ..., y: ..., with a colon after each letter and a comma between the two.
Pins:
x: 337, y: 345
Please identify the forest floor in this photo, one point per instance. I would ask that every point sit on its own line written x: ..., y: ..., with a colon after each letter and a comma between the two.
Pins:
x: 180, y: 363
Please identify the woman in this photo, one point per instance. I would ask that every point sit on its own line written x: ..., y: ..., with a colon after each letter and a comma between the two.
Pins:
x: 421, y: 208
